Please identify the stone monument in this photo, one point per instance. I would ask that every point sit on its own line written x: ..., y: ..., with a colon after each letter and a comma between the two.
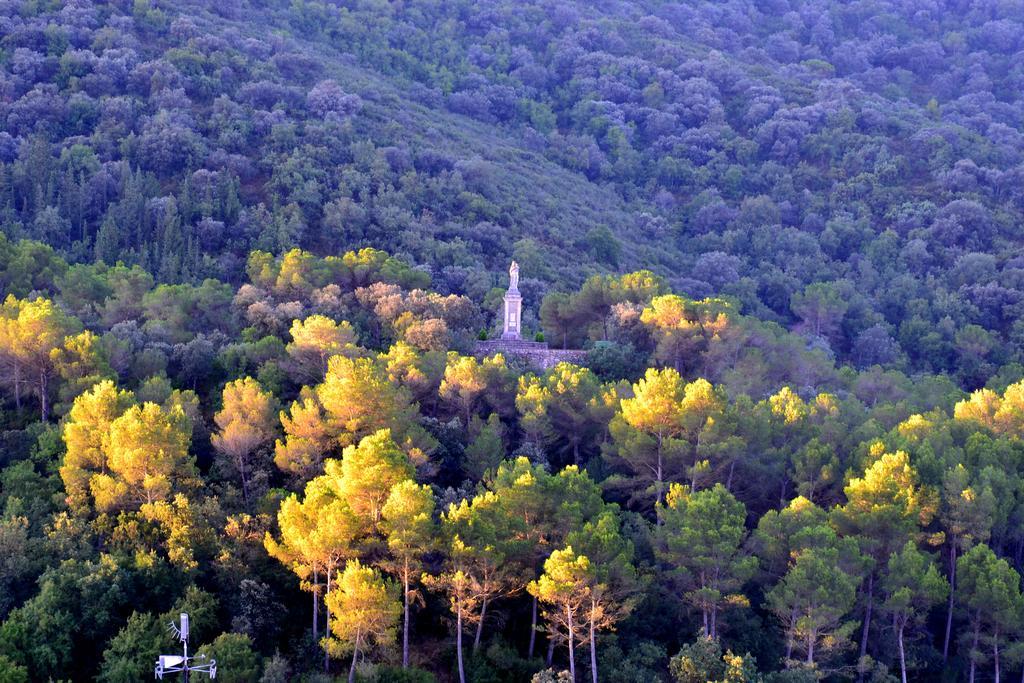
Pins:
x: 512, y: 330
x: 535, y: 354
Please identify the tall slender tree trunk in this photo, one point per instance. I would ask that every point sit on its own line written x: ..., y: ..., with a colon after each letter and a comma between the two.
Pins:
x: 240, y: 463
x: 352, y: 666
x: 593, y: 644
x: 551, y: 651
x: 790, y: 640
x: 866, y: 628
x: 17, y: 385
x: 696, y: 464
x: 405, y: 624
x: 572, y: 653
x: 974, y: 646
x: 316, y: 607
x: 533, y: 630
x: 810, y: 648
x: 480, y: 625
x: 327, y: 624
x: 995, y: 653
x: 458, y: 640
x: 903, y: 658
x: 44, y: 402
x: 658, y: 482
x: 952, y: 593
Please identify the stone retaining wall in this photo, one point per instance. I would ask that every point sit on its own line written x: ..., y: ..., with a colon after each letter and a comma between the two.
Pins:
x: 535, y: 354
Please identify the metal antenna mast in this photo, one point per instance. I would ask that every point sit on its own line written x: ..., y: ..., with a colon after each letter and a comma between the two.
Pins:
x: 169, y: 664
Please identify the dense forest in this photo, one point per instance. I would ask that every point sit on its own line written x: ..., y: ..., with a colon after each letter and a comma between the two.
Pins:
x: 246, y: 251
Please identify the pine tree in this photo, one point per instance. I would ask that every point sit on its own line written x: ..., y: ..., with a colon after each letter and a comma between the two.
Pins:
x: 147, y: 458
x: 812, y: 601
x: 365, y: 608
x: 966, y: 515
x: 702, y: 538
x: 246, y: 422
x: 885, y: 508
x: 613, y: 579
x: 991, y: 598
x: 912, y: 586
x: 565, y: 586
x: 407, y: 521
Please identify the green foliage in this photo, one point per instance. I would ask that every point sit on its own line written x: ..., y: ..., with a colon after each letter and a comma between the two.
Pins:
x: 701, y: 537
x: 236, y: 661
x: 11, y: 672
x: 393, y: 674
x: 643, y: 661
x: 703, y: 662
x: 833, y: 259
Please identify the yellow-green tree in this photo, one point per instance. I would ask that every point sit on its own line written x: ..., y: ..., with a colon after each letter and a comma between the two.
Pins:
x: 316, y: 535
x: 1002, y: 414
x: 479, y: 533
x: 147, y: 457
x: 683, y: 328
x: 563, y: 408
x: 245, y: 423
x: 565, y: 587
x: 478, y: 546
x: 612, y: 581
x: 463, y: 385
x: 365, y: 608
x: 540, y: 509
x: 29, y: 332
x: 341, y: 509
x: 469, y: 384
x: 366, y: 474
x: 124, y: 455
x: 885, y: 508
x: 14, y: 372
x: 86, y: 437
x: 532, y: 399
x: 420, y: 372
x: 407, y: 521
x: 463, y: 596
x: 315, y: 340
x: 307, y: 440
x: 356, y: 399
x: 80, y: 362
x: 649, y: 427
x: 669, y: 429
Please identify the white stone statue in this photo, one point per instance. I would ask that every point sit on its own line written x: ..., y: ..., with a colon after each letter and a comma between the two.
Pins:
x: 513, y: 306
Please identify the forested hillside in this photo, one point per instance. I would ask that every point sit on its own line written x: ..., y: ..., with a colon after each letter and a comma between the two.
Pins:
x: 248, y: 248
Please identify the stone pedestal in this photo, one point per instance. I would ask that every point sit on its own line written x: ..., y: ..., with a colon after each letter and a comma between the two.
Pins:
x: 512, y: 327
